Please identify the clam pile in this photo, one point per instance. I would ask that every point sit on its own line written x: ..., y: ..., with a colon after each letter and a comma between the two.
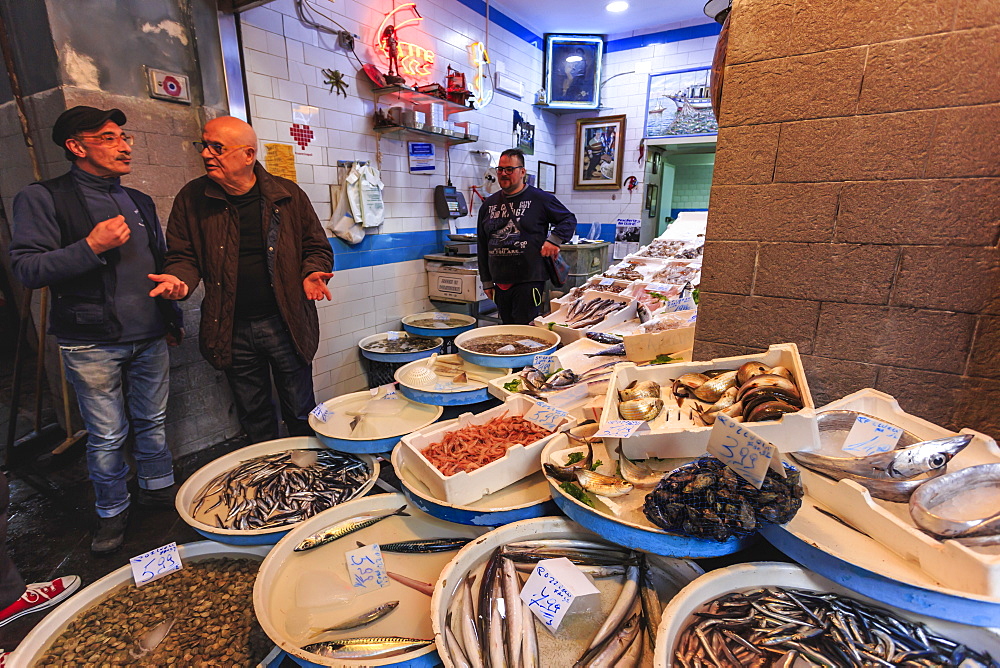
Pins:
x: 706, y: 499
x: 752, y: 393
x: 640, y: 400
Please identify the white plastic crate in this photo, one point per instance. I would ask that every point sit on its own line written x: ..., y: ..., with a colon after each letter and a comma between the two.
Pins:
x: 462, y: 488
x: 568, y: 334
x: 673, y: 433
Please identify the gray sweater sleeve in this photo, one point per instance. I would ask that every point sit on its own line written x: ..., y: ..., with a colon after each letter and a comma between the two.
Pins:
x: 36, y: 252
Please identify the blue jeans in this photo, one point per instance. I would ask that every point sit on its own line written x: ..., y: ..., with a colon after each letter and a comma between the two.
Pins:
x: 262, y: 348
x: 116, y: 382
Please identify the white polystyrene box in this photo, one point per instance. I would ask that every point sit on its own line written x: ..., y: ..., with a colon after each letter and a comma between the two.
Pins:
x: 673, y: 434
x: 568, y: 334
x: 462, y: 488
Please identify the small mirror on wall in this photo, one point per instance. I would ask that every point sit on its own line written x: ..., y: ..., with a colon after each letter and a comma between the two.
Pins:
x: 573, y: 71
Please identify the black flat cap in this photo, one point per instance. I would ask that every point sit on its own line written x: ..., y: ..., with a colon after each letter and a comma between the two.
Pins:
x: 72, y: 121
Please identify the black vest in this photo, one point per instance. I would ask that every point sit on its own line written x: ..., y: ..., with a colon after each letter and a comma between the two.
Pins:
x: 83, y: 307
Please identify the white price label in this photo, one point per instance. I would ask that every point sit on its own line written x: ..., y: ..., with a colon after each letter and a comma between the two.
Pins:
x: 685, y: 303
x: 659, y: 288
x: 742, y: 450
x: 366, y: 568
x: 438, y: 315
x: 321, y: 413
x: 531, y: 344
x: 155, y: 564
x: 606, y: 281
x: 869, y: 436
x: 545, y: 416
x: 553, y: 587
x: 392, y: 336
x: 545, y: 363
x: 619, y: 428
x: 387, y: 391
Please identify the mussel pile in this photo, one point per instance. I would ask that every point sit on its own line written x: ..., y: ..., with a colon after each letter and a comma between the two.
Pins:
x: 706, y: 499
x: 752, y: 393
x: 640, y: 400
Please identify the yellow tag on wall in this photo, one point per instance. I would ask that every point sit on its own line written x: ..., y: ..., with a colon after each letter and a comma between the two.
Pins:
x: 280, y: 161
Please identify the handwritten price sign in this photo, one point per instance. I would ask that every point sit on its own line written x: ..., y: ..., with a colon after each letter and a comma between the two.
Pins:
x: 392, y: 336
x: 545, y: 416
x: 365, y: 567
x: 553, y: 588
x: 155, y: 564
x: 743, y: 451
x: 619, y: 428
x: 387, y: 391
x: 545, y: 363
x: 438, y: 315
x: 321, y: 413
x: 869, y: 436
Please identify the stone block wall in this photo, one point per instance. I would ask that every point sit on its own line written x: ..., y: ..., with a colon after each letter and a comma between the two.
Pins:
x: 855, y: 205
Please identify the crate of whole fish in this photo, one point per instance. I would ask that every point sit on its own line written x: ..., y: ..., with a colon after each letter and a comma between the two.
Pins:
x: 482, y: 453
x: 679, y: 402
x: 256, y: 494
x: 594, y: 311
x: 777, y: 614
x: 914, y: 523
x: 479, y: 618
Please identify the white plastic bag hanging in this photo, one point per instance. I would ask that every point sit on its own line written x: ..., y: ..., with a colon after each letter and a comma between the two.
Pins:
x: 364, y: 192
x: 342, y: 223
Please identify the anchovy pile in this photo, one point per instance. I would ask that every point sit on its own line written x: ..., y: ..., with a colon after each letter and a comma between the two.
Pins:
x: 495, y: 629
x: 775, y: 626
x: 273, y: 490
x: 586, y: 313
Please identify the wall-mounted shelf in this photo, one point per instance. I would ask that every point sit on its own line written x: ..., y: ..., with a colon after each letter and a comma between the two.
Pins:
x: 414, y: 98
x: 567, y: 110
x: 402, y: 132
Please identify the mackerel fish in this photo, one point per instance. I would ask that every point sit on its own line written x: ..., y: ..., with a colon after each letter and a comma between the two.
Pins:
x: 341, y: 529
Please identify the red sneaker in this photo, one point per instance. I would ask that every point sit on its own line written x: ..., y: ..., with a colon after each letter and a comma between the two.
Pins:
x: 40, y: 596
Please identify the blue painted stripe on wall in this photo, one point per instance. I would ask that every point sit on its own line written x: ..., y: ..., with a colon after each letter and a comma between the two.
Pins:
x: 664, y: 37
x: 377, y: 249
x: 504, y: 22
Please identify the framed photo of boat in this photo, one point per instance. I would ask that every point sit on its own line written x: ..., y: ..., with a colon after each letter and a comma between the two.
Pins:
x: 679, y: 104
x: 597, y: 161
x: 573, y: 71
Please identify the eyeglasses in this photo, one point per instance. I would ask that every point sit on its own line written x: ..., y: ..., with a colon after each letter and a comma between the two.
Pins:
x: 507, y: 170
x: 215, y: 148
x: 110, y: 139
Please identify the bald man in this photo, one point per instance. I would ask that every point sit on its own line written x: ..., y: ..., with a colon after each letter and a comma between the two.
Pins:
x: 255, y: 241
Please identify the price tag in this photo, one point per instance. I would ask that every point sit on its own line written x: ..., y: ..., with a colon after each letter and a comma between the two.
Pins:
x: 155, y: 564
x: 392, y: 336
x: 438, y: 315
x: 619, y: 428
x: 659, y: 288
x: 545, y: 415
x: 387, y: 391
x: 531, y: 344
x: 869, y: 436
x: 606, y: 281
x: 545, y: 363
x: 684, y: 303
x: 321, y: 413
x: 555, y: 586
x: 743, y: 451
x: 365, y: 567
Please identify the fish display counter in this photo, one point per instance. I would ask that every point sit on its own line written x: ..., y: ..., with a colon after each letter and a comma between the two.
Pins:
x: 306, y: 599
x: 397, y: 347
x: 360, y: 422
x: 505, y: 346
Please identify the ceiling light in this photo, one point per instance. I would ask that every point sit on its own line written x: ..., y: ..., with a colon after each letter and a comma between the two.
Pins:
x: 616, y: 6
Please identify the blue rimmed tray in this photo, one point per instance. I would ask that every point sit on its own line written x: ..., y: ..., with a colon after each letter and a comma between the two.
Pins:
x: 512, y: 361
x: 438, y: 329
x: 442, y: 391
x: 373, y: 434
x: 398, y: 358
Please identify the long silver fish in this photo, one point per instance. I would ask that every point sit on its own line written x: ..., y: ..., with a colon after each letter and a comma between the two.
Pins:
x: 341, y: 529
x: 906, y: 462
x: 605, y: 485
x: 363, y: 619
x: 637, y: 474
x: 425, y: 546
x: 366, y: 648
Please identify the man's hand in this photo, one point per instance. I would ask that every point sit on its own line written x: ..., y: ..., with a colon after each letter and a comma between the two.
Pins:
x: 170, y: 287
x: 174, y: 341
x: 108, y: 234
x: 489, y: 293
x: 549, y: 249
x: 315, y: 286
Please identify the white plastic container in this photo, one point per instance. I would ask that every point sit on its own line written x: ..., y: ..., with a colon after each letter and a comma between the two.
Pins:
x: 520, y: 461
x: 570, y: 334
x: 674, y: 434
x: 746, y: 577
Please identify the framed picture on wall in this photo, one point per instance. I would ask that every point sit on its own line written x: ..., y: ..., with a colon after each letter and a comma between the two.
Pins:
x: 599, y: 149
x: 679, y: 104
x: 573, y: 71
x: 652, y: 199
x: 547, y: 176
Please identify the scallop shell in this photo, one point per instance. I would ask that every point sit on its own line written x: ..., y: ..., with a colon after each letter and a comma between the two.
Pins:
x: 641, y: 409
x: 640, y: 389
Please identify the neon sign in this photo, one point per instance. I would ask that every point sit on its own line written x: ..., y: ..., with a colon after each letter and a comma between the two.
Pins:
x: 478, y: 58
x: 412, y: 59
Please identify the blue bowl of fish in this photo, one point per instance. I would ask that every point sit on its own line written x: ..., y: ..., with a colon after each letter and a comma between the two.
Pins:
x: 319, y: 610
x: 255, y: 495
x: 438, y: 323
x: 506, y: 345
x: 398, y: 347
x: 446, y: 380
x: 359, y: 422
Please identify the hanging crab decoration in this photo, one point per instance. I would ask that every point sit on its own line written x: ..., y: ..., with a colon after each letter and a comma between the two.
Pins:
x: 335, y: 79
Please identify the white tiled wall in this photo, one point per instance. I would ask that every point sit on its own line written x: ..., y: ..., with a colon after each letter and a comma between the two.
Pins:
x: 284, y: 59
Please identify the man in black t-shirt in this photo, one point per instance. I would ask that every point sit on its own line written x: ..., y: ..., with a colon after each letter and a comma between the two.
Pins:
x: 517, y: 227
x: 256, y: 242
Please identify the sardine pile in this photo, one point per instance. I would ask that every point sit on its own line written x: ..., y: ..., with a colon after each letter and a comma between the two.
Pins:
x: 495, y: 629
x: 586, y: 313
x: 707, y: 499
x: 274, y: 490
x: 775, y: 626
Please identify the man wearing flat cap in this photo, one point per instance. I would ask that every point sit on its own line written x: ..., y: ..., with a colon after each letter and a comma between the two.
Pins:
x: 97, y: 246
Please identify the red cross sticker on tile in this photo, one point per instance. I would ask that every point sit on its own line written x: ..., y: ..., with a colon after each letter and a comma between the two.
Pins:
x: 302, y: 134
